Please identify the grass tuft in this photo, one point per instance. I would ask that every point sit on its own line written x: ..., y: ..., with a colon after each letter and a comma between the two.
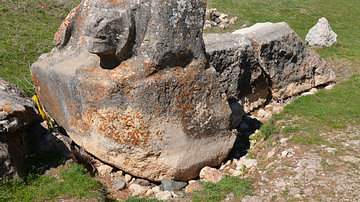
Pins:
x: 217, y: 192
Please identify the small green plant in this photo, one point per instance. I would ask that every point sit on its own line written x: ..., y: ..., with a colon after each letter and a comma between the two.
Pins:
x: 218, y: 191
x: 268, y: 129
x: 285, y: 192
x: 251, y: 155
x: 289, y: 130
x: 243, y: 169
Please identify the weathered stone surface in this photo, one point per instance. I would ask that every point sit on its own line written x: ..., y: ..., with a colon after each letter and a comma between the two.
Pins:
x: 240, y: 74
x: 208, y: 174
x: 289, y: 66
x: 17, y: 112
x: 130, y: 83
x: 321, y: 34
x: 169, y: 185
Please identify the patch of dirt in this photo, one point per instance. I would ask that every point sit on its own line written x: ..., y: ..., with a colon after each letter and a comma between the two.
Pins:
x: 326, y: 172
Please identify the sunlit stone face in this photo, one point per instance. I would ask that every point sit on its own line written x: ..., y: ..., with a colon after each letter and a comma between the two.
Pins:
x: 107, y: 32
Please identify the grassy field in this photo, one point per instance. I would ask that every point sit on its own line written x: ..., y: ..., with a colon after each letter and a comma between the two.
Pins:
x: 28, y: 26
x: 27, y: 31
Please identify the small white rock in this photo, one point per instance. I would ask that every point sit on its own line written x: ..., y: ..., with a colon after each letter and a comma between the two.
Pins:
x: 313, y: 90
x: 149, y: 192
x: 128, y: 178
x: 156, y: 189
x: 283, y: 140
x: 307, y: 93
x: 329, y: 87
x: 104, y: 170
x: 262, y: 113
x: 163, y: 195
x: 192, y: 181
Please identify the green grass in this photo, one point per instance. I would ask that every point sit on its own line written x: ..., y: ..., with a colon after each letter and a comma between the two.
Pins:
x: 27, y: 30
x: 76, y: 183
x: 217, y: 192
x: 334, y: 109
x: 140, y: 199
x: 343, y: 16
x: 268, y: 129
x: 326, y: 111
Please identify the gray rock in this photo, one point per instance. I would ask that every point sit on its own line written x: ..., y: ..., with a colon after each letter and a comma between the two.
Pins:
x: 290, y: 67
x: 142, y: 182
x: 17, y: 114
x: 169, y: 185
x: 132, y: 86
x: 321, y: 34
x: 118, y: 184
x: 17, y: 110
x: 240, y: 74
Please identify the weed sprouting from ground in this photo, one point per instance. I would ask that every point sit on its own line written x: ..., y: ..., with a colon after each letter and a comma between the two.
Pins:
x: 268, y: 129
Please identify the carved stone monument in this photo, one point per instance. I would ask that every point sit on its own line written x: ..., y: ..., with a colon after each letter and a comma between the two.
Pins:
x: 130, y: 83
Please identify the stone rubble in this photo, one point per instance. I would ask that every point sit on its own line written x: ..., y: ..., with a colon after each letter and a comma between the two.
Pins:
x: 215, y: 19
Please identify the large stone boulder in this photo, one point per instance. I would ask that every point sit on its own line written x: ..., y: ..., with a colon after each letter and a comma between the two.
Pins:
x: 321, y: 34
x: 17, y: 113
x: 289, y: 66
x: 240, y: 74
x: 263, y: 62
x: 130, y: 83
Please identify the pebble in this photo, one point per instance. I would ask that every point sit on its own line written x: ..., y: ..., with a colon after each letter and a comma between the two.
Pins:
x: 118, y: 184
x: 163, y: 195
x: 262, y: 113
x: 128, y: 178
x: 104, y: 170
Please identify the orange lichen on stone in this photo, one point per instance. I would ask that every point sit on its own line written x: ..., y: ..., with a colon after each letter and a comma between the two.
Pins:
x: 9, y: 108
